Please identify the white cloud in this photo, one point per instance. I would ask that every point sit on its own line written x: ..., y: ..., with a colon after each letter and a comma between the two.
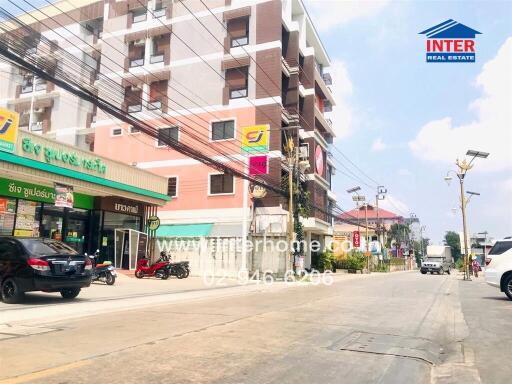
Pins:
x: 391, y: 203
x: 341, y: 114
x: 378, y: 145
x: 490, y: 130
x: 329, y: 14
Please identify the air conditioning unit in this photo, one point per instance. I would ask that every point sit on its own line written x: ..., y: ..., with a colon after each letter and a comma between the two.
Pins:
x: 38, y: 110
x: 139, y: 42
x: 304, y: 152
x: 134, y: 88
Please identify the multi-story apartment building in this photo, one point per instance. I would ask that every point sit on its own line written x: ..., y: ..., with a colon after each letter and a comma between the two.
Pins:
x: 201, y: 74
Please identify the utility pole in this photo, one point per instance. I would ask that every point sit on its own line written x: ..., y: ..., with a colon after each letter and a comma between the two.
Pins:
x: 463, y: 167
x: 367, y: 242
x: 291, y: 166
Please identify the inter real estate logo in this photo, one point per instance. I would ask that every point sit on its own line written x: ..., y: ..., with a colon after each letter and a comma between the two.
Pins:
x: 450, y: 42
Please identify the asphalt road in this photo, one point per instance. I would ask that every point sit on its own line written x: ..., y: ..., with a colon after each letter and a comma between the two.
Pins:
x: 382, y: 328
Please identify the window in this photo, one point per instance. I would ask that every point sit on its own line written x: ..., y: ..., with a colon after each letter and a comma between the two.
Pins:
x: 8, y: 250
x: 167, y: 133
x: 159, y: 9
x: 172, y: 186
x: 221, y: 184
x: 134, y: 130
x: 238, y: 31
x: 223, y: 130
x: 236, y: 80
x: 117, y: 132
x: 500, y: 247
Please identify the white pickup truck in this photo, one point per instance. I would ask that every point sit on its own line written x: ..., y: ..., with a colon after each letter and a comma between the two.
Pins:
x: 438, y: 259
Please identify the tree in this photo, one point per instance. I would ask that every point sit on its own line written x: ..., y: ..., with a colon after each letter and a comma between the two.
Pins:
x: 398, y: 233
x: 452, y: 239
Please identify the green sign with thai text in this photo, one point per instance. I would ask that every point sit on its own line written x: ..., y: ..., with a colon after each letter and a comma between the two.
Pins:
x: 34, y: 192
x: 62, y: 157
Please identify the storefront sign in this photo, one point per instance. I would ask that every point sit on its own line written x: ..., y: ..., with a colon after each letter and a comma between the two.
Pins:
x: 61, y: 157
x: 255, y: 138
x: 8, y: 130
x: 34, y: 192
x: 116, y: 204
x: 153, y: 223
x: 356, y: 239
x: 258, y: 165
x: 64, y: 196
x: 319, y: 160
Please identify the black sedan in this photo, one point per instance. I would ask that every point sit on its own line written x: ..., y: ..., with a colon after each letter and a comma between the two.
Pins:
x: 32, y: 264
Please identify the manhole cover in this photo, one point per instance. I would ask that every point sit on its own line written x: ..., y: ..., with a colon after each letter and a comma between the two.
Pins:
x: 392, y: 345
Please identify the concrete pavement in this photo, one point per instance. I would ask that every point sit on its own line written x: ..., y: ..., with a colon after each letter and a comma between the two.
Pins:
x: 385, y: 328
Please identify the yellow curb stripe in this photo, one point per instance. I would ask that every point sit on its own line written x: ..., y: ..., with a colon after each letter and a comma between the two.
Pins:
x: 44, y: 373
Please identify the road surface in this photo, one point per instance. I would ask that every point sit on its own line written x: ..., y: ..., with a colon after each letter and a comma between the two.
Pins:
x: 381, y: 328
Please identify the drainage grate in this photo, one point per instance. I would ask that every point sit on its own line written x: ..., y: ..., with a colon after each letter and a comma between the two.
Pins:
x: 392, y: 345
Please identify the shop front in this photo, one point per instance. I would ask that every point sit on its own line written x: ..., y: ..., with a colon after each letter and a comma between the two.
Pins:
x: 52, y: 190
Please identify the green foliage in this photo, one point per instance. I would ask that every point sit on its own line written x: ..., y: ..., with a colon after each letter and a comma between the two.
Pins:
x: 459, y: 264
x: 398, y: 233
x: 452, y: 239
x: 397, y: 261
x: 380, y: 268
x: 355, y: 260
x: 326, y: 261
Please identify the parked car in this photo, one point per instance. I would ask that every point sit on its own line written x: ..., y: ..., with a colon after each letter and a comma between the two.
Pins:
x: 498, y: 270
x: 33, y: 264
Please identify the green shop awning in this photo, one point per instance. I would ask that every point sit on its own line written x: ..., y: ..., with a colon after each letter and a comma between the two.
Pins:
x: 184, y: 230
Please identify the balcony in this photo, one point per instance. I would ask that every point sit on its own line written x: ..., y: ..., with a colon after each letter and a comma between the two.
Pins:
x: 322, y: 86
x: 325, y: 123
x: 156, y: 58
x: 154, y: 105
x: 139, y: 16
x: 289, y: 67
x: 136, y: 63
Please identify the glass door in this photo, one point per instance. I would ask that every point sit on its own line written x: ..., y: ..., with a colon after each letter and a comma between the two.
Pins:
x: 76, y: 232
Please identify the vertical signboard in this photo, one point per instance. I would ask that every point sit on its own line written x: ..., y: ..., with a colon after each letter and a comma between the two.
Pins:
x: 258, y: 165
x: 63, y: 196
x: 356, y: 239
x: 8, y: 130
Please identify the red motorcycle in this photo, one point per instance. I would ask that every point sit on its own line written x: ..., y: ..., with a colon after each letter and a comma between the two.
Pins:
x: 159, y: 269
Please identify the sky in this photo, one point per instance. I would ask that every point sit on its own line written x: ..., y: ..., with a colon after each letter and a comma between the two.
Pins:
x: 404, y: 122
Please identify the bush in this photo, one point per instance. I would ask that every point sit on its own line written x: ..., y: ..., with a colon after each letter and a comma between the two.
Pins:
x: 459, y: 264
x: 326, y: 261
x: 356, y: 260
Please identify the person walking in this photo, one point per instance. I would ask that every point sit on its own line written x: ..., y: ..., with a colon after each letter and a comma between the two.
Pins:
x: 476, y: 266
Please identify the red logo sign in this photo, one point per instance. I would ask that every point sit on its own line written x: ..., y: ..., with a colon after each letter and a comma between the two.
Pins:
x: 319, y: 160
x: 356, y: 239
x: 258, y: 165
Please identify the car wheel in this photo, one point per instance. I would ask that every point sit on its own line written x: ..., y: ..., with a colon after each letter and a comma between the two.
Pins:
x: 70, y: 293
x: 508, y: 286
x: 441, y: 271
x: 11, y: 293
x: 423, y: 272
x: 449, y: 271
x: 139, y: 274
x: 110, y: 279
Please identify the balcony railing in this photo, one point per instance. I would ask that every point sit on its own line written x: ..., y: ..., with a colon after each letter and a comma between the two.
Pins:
x: 154, y: 105
x: 136, y: 63
x: 26, y: 88
x: 159, y: 12
x: 156, y: 58
x: 134, y: 108
x: 239, y: 41
x: 140, y: 17
x: 238, y: 93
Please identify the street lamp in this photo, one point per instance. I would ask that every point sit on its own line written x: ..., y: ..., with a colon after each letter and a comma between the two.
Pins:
x: 463, y: 167
x: 357, y: 198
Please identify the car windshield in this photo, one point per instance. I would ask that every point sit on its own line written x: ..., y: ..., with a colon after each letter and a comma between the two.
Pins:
x: 500, y: 247
x: 38, y: 247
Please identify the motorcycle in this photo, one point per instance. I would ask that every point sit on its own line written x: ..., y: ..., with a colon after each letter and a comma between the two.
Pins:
x: 179, y: 269
x: 159, y: 269
x: 104, y: 272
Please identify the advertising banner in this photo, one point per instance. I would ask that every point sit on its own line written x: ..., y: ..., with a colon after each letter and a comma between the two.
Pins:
x: 356, y: 239
x: 258, y: 165
x: 255, y: 138
x: 64, y: 196
x: 8, y: 130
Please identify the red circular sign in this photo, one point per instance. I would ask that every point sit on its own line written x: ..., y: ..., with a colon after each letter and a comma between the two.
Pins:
x: 319, y: 160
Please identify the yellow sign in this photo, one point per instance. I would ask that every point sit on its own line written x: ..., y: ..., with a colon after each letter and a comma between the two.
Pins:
x: 8, y: 130
x: 255, y: 138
